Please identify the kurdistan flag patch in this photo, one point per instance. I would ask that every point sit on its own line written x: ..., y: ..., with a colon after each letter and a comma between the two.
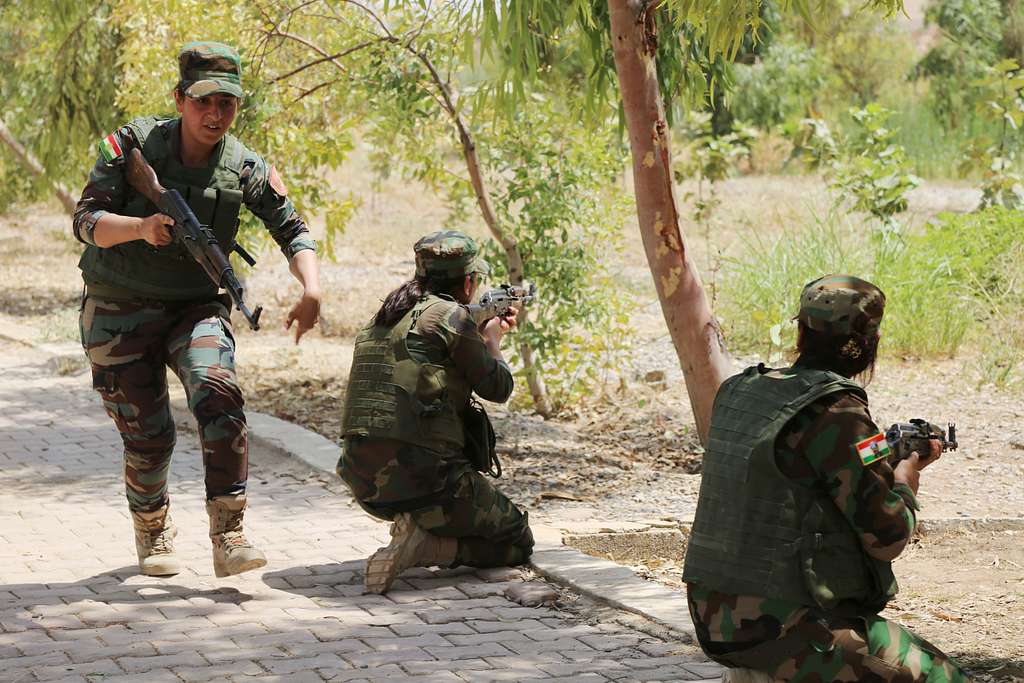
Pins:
x: 872, y: 449
x: 109, y: 148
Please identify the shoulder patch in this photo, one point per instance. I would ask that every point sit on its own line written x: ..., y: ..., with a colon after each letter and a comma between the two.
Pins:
x: 276, y: 183
x: 872, y: 449
x: 110, y: 148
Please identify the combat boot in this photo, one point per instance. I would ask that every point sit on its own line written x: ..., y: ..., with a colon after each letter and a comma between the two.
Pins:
x: 154, y: 542
x: 410, y: 546
x: 232, y: 551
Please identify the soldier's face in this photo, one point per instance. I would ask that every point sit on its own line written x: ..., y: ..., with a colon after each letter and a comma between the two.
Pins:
x: 207, y: 119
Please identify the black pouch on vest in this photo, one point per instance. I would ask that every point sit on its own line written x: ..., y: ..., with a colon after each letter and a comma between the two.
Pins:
x: 480, y: 441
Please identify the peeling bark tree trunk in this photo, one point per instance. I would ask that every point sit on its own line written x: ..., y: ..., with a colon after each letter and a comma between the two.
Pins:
x: 694, y: 330
x: 32, y: 164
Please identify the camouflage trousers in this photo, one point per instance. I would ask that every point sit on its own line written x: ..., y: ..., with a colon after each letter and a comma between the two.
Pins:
x: 806, y: 645
x: 129, y: 344
x: 491, y: 530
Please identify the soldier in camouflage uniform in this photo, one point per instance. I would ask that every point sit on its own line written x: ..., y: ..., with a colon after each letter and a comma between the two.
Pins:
x: 800, y: 514
x: 414, y: 370
x: 148, y: 305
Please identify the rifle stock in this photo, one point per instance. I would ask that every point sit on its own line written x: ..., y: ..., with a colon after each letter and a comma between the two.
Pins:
x: 197, y: 238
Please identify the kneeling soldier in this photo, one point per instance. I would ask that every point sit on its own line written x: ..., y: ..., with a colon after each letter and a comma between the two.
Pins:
x: 415, y: 368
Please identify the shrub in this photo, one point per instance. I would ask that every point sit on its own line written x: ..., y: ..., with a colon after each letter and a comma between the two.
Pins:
x: 779, y: 87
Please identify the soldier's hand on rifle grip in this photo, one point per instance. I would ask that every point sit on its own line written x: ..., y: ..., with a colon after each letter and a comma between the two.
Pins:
x: 156, y: 230
x: 936, y: 452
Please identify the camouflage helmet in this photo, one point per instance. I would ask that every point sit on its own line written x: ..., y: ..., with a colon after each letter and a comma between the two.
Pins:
x: 841, y: 305
x: 448, y: 254
x: 207, y: 68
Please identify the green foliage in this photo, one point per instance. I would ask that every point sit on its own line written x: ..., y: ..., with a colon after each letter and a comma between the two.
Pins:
x: 962, y: 275
x: 867, y: 170
x: 779, y: 87
x: 872, y: 172
x: 861, y: 56
x: 971, y: 40
x: 554, y: 192
x: 1001, y: 104
x: 59, y: 78
x: 697, y: 40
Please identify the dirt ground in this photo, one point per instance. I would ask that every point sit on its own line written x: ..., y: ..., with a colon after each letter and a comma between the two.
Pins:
x: 628, y: 453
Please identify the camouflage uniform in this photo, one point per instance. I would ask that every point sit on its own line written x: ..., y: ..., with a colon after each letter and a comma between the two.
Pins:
x: 434, y: 482
x: 802, y: 641
x: 131, y: 332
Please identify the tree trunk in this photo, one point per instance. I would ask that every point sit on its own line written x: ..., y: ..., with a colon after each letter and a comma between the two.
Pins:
x: 534, y: 379
x: 538, y: 390
x: 32, y: 164
x: 695, y: 333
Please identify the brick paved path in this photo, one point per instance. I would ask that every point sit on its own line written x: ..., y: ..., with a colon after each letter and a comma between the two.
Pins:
x: 74, y: 608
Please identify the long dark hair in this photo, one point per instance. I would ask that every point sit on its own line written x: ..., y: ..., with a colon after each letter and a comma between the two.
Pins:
x: 402, y: 299
x: 850, y: 355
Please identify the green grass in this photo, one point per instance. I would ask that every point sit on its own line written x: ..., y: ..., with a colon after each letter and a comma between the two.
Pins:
x: 950, y: 284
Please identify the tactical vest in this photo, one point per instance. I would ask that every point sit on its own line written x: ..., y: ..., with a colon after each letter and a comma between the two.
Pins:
x: 756, y: 531
x: 393, y: 396
x: 215, y: 196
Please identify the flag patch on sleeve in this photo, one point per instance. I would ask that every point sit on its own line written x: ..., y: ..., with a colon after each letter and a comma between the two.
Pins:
x: 109, y: 148
x: 872, y: 449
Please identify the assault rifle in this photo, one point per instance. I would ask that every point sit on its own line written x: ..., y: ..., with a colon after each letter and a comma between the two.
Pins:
x: 197, y: 238
x: 907, y: 437
x: 497, y: 303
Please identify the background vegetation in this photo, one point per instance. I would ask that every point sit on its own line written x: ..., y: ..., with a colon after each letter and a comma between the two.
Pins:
x: 872, y: 107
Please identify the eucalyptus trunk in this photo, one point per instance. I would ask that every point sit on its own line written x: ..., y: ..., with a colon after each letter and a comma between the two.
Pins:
x: 695, y: 333
x: 32, y: 164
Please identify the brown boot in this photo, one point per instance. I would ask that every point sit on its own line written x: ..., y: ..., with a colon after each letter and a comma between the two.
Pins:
x: 232, y: 551
x: 410, y: 546
x: 154, y: 542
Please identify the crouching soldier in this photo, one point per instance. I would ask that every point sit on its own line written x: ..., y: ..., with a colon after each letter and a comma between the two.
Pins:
x: 414, y: 371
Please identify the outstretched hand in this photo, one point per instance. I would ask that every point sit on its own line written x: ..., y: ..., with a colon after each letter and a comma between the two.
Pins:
x: 306, y: 313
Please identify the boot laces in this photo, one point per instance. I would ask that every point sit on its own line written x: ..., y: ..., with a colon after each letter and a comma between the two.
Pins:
x: 235, y: 539
x: 160, y: 543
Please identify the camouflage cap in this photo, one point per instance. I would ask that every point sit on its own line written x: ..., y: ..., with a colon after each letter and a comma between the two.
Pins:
x: 448, y: 254
x: 207, y: 68
x: 841, y: 304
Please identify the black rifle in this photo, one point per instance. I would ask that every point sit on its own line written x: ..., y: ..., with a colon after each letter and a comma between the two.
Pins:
x: 907, y: 437
x: 197, y: 238
x: 496, y: 303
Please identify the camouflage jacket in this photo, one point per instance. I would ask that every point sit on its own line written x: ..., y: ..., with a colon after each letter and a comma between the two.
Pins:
x: 816, y: 449
x: 263, y: 193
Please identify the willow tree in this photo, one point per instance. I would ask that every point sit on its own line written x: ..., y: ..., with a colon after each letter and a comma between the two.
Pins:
x: 59, y: 75
x: 655, y: 50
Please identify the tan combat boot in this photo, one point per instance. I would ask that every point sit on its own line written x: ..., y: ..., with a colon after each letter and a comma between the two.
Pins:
x: 154, y: 542
x: 410, y: 546
x: 232, y: 551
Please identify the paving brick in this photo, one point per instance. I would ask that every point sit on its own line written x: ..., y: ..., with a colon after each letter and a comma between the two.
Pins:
x: 292, y: 665
x: 99, y: 667
x: 143, y: 664
x: 208, y: 673
x: 363, y: 660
